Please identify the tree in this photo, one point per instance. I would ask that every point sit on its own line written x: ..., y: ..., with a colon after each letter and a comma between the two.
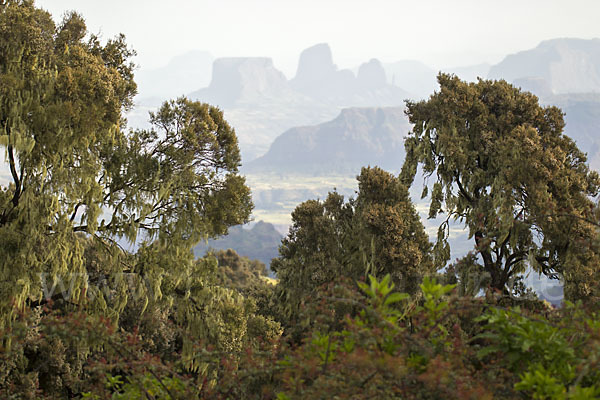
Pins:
x: 80, y: 186
x: 240, y: 273
x: 503, y: 168
x: 379, y: 233
x: 76, y: 173
x: 386, y: 218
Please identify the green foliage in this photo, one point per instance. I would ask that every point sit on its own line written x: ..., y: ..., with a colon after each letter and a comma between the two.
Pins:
x: 381, y: 298
x: 377, y: 233
x: 80, y: 317
x: 395, y: 347
x: 434, y: 305
x: 520, y: 338
x: 238, y: 272
x: 77, y: 175
x: 550, y: 359
x: 81, y: 185
x: 75, y: 172
x: 147, y: 385
x: 381, y: 353
x: 502, y: 166
x: 439, y: 350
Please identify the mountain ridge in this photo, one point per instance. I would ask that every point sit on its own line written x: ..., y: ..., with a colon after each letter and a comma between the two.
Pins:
x: 569, y: 65
x: 356, y: 137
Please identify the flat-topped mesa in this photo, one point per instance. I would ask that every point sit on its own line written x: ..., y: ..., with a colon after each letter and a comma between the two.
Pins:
x: 236, y: 79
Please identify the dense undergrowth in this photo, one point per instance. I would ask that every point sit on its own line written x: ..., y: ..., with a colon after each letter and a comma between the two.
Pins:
x: 388, y: 345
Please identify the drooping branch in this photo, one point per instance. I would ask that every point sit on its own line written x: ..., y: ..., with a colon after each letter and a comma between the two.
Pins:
x: 15, y: 176
x: 75, y: 211
x: 462, y: 190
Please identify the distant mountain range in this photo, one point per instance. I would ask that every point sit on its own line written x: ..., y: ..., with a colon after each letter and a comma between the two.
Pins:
x: 582, y: 118
x: 555, y: 70
x: 420, y: 80
x: 238, y: 81
x: 261, y: 103
x: 181, y: 75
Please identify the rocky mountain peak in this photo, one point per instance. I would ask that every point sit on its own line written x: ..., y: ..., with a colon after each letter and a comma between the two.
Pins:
x: 371, y: 75
x: 236, y: 79
x: 315, y: 63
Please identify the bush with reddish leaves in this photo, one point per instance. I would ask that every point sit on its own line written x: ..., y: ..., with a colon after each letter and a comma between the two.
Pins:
x: 389, y: 345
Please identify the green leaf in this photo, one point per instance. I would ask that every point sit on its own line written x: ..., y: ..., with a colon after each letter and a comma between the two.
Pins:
x: 396, y: 297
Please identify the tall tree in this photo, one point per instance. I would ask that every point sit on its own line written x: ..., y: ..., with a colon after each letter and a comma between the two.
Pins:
x: 79, y: 186
x: 502, y: 166
x: 74, y: 171
x: 377, y: 233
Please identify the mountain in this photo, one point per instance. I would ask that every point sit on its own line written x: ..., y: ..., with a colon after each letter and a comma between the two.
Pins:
x: 582, y: 119
x: 421, y: 80
x: 261, y: 103
x: 257, y: 101
x: 318, y: 76
x: 536, y: 85
x: 243, y: 79
x: 181, y: 75
x: 357, y: 137
x: 320, y: 79
x: 567, y: 65
x: 261, y: 242
x: 565, y: 73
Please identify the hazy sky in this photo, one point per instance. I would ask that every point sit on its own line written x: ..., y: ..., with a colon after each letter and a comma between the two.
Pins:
x: 441, y: 33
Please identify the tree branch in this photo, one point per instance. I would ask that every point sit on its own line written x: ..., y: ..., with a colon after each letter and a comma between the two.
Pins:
x: 15, y: 176
x: 75, y: 211
x: 463, y: 191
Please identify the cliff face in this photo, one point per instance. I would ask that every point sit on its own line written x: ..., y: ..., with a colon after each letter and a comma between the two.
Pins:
x: 567, y: 65
x: 318, y: 77
x: 315, y: 65
x: 357, y: 137
x: 242, y: 79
